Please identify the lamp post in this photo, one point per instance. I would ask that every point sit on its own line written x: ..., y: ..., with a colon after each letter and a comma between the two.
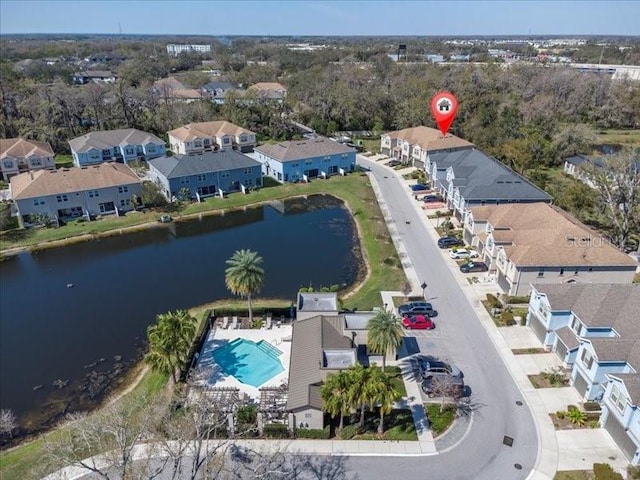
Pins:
x: 424, y: 287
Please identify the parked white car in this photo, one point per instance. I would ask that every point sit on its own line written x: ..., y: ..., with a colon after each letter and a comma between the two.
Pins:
x: 462, y: 253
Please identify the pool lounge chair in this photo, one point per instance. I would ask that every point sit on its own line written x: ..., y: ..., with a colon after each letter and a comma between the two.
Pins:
x: 269, y: 322
x: 225, y: 322
x: 234, y: 323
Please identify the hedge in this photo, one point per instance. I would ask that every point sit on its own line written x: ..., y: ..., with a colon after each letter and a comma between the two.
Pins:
x: 313, y: 433
x: 275, y: 430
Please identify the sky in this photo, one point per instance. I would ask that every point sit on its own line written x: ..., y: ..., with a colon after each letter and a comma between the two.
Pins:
x: 322, y: 17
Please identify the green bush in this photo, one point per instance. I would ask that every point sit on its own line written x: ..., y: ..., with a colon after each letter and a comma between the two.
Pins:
x: 313, y: 433
x: 506, y: 317
x: 633, y: 472
x: 603, y: 471
x: 493, y: 301
x: 577, y: 417
x: 276, y: 430
x: 560, y: 414
x: 348, y: 432
x: 523, y: 299
x: 591, y: 406
x: 572, y: 408
x: 247, y: 414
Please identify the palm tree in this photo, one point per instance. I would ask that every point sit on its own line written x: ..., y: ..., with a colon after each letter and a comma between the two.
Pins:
x: 244, y: 275
x: 358, y: 385
x: 169, y: 341
x: 384, y: 334
x: 381, y: 392
x: 334, y: 393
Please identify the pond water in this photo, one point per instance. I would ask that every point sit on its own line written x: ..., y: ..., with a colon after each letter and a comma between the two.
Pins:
x: 73, y: 319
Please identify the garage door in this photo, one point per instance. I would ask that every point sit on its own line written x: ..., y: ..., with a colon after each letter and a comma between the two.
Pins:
x: 616, y: 430
x: 504, y: 283
x: 538, y: 328
x: 581, y: 385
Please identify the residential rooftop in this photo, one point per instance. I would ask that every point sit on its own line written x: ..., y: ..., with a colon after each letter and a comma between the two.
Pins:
x: 538, y: 234
x: 218, y: 128
x: 22, y: 148
x: 429, y: 139
x: 105, y: 139
x: 317, y: 302
x: 207, y: 162
x: 300, y: 149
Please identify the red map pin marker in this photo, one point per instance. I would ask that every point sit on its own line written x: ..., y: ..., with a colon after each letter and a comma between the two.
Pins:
x: 444, y: 107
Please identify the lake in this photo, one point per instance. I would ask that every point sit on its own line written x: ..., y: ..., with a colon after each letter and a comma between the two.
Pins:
x: 74, y: 318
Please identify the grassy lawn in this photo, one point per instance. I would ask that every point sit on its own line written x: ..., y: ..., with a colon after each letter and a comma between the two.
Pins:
x: 63, y: 161
x: 396, y: 379
x: 439, y: 421
x: 371, y: 145
x: 385, y: 271
x: 613, y: 136
x: 574, y: 475
x: 17, y: 463
x: 398, y: 426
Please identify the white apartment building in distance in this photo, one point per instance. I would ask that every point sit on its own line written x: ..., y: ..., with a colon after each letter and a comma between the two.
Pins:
x: 176, y: 49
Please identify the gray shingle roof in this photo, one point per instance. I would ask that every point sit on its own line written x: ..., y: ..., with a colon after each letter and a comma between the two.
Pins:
x: 598, y: 304
x: 617, y: 350
x: 301, y: 149
x: 208, y: 162
x: 631, y: 383
x: 578, y: 160
x: 488, y: 179
x: 309, y: 338
x: 566, y: 336
x: 110, y: 138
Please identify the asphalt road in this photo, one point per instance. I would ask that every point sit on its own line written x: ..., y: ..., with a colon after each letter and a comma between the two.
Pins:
x: 459, y: 337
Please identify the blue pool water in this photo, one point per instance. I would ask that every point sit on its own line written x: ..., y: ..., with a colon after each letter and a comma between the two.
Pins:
x: 251, y: 363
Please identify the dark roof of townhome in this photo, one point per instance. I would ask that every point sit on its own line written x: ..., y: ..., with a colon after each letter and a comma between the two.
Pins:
x: 631, y: 383
x: 302, y: 149
x: 609, y: 349
x: 487, y: 178
x: 598, y: 304
x: 578, y: 160
x: 42, y: 183
x: 178, y: 166
x: 308, y: 340
x: 219, y: 86
x: 105, y: 139
x: 568, y: 337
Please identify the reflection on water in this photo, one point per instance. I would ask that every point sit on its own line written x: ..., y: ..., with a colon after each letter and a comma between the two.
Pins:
x: 62, y: 347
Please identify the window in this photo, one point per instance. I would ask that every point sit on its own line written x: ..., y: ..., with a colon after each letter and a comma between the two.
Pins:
x: 61, y: 198
x: 541, y: 272
x: 247, y: 171
x: 94, y: 193
x: 308, y: 162
x: 617, y: 398
x: 202, y: 177
x: 8, y: 164
x: 243, y: 138
x: 124, y: 189
x: 184, y: 180
x: 294, y: 164
x: 587, y: 358
x: 36, y: 162
x: 225, y: 140
x: 106, y: 153
x: 38, y: 201
x: 124, y: 203
x: 575, y: 325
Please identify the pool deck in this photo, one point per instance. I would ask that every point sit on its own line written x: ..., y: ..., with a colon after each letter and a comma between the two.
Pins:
x: 207, y: 368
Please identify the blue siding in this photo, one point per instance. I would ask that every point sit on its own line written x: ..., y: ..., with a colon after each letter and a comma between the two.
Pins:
x: 210, y: 183
x: 122, y: 154
x: 292, y: 171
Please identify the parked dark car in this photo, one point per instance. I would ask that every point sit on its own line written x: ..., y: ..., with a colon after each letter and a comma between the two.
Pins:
x: 358, y: 148
x: 448, y: 242
x: 432, y: 198
x: 418, y: 308
x: 430, y: 365
x: 454, y: 385
x: 471, y: 267
x: 419, y: 187
x: 394, y: 163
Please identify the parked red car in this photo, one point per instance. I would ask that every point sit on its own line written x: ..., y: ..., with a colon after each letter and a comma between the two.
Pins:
x: 418, y: 322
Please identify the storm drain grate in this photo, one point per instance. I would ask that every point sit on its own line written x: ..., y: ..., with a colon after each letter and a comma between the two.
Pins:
x: 508, y: 441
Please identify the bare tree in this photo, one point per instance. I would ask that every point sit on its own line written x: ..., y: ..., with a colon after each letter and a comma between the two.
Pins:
x: 446, y: 388
x: 8, y: 422
x: 617, y: 180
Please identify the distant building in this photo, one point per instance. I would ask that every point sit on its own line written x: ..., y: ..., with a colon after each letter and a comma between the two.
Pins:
x: 315, y: 157
x: 172, y: 90
x: 217, y: 91
x: 269, y: 91
x: 211, y: 136
x: 434, y: 58
x: 93, y: 76
x: 18, y: 155
x: 121, y: 145
x: 459, y: 58
x: 75, y: 192
x: 176, y: 49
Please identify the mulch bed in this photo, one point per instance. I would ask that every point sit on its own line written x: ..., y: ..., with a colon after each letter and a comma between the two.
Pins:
x: 528, y: 351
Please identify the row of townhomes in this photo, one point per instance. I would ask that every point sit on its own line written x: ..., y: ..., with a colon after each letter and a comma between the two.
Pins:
x: 594, y: 328
x: 207, y: 159
x: 582, y: 303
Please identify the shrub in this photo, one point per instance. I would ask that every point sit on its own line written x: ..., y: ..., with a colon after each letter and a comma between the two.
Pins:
x: 523, y: 299
x: 572, y: 408
x: 493, y: 301
x: 577, y: 417
x: 591, y: 406
x: 506, y: 317
x: 593, y: 424
x: 560, y: 414
x: 603, y: 471
x: 348, y: 432
x: 247, y: 414
x: 313, y: 433
x: 633, y: 472
x: 556, y: 379
x: 276, y: 430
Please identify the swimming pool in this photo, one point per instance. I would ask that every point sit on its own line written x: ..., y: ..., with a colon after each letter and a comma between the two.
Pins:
x: 249, y: 362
